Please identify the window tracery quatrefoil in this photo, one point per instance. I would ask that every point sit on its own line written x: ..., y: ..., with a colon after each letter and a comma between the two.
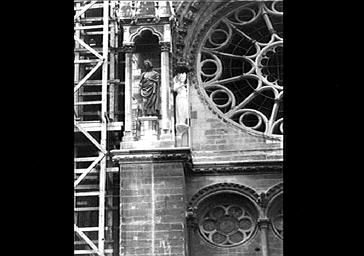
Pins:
x: 240, y: 67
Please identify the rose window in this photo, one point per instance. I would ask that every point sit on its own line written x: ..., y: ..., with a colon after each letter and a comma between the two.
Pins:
x: 226, y: 225
x: 240, y: 66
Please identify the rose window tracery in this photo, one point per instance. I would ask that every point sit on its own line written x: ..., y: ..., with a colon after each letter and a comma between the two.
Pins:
x: 240, y: 67
x: 226, y: 225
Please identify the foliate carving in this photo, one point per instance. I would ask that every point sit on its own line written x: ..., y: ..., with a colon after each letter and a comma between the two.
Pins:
x: 262, y: 200
x: 188, y: 18
x: 191, y: 217
x: 181, y: 31
x: 195, y: 5
x: 165, y: 46
x: 181, y: 25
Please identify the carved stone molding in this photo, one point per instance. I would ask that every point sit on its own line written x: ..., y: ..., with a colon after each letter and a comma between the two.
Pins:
x: 263, y: 223
x: 156, y: 30
x: 165, y: 46
x: 275, y: 190
x: 246, y: 168
x: 152, y: 155
x: 186, y: 15
x: 222, y: 188
x: 262, y: 200
x: 266, y: 198
x: 128, y: 48
x: 191, y: 217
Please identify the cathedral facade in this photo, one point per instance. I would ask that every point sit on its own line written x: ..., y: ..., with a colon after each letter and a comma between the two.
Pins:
x: 199, y: 153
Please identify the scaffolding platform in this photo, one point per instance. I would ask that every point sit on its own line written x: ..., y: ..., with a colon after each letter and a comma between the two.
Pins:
x: 95, y: 126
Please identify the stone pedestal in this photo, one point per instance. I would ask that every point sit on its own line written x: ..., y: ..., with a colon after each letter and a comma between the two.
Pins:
x: 149, y: 138
x: 148, y: 128
x: 182, y: 135
x: 152, y: 201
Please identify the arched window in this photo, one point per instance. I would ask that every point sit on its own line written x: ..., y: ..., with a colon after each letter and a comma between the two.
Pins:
x: 275, y: 214
x: 239, y: 65
x: 226, y: 219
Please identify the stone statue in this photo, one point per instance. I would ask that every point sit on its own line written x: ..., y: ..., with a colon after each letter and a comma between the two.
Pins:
x: 180, y: 83
x: 149, y: 90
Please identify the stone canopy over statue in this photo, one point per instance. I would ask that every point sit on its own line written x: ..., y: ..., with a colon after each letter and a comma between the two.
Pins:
x: 149, y: 90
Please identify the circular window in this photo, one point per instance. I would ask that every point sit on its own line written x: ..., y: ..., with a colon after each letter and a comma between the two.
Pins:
x: 227, y: 224
x: 277, y: 223
x: 275, y: 215
x: 240, y: 67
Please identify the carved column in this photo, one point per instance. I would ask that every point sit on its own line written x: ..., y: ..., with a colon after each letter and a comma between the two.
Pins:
x: 128, y: 122
x: 165, y: 123
x: 263, y: 226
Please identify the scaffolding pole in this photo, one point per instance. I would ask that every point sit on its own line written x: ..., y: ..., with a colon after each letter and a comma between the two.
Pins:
x: 105, y: 49
x: 101, y: 146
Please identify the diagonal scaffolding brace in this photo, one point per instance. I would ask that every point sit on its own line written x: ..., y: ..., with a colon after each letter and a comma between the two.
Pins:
x: 94, y: 52
x: 87, y: 240
x: 87, y: 77
x: 88, y: 170
x: 84, y: 9
x: 89, y: 136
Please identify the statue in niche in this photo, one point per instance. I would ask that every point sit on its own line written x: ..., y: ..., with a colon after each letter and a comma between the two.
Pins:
x: 180, y: 84
x: 149, y: 90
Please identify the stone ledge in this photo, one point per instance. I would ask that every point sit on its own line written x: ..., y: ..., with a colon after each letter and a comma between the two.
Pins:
x: 245, y: 167
x: 147, y: 144
x: 151, y: 155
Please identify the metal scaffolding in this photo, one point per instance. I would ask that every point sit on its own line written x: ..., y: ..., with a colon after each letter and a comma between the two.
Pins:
x: 91, y: 166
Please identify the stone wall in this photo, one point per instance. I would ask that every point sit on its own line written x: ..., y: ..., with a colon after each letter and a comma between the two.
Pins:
x: 152, y: 207
x: 214, y: 140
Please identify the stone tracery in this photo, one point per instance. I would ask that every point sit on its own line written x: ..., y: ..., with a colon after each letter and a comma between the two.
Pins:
x: 227, y: 225
x: 239, y: 67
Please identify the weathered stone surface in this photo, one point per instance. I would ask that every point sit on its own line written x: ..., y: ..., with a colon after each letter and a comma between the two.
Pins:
x: 152, y: 206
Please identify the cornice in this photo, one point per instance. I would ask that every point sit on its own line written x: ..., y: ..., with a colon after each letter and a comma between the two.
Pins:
x: 239, y: 167
x: 151, y: 155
